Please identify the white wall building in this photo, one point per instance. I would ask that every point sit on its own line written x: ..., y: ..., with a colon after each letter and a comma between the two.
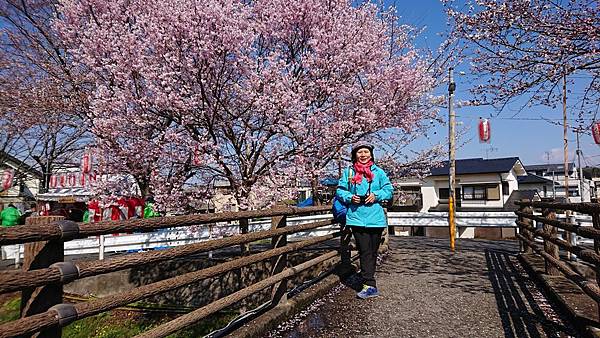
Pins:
x: 556, y: 172
x: 484, y: 188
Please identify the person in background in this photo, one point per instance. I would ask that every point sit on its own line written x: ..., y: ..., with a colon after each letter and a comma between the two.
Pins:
x: 10, y: 216
x: 86, y: 216
x: 363, y: 188
x: 149, y: 208
x: 32, y: 211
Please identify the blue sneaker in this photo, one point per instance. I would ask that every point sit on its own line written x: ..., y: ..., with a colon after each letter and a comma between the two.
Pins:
x: 368, y: 292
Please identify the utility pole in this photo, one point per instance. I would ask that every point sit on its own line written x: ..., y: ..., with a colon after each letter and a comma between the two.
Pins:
x: 577, y: 131
x: 553, y: 186
x: 566, y: 141
x: 451, y: 162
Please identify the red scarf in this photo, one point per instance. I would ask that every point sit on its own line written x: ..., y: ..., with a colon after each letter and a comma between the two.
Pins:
x: 362, y: 170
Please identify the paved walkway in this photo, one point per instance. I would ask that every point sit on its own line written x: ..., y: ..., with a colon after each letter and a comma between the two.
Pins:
x: 480, y: 291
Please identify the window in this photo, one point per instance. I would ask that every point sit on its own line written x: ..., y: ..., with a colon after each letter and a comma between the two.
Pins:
x: 574, y: 192
x: 505, y: 189
x: 444, y: 193
x: 481, y: 192
x: 493, y: 192
x: 474, y: 193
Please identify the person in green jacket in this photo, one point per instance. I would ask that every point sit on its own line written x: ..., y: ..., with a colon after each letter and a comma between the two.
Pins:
x: 86, y: 216
x: 149, y: 210
x: 10, y: 216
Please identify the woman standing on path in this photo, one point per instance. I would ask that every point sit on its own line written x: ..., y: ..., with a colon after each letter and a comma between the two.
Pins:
x: 362, y: 188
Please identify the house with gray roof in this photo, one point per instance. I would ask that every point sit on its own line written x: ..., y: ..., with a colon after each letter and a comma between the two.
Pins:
x: 481, y: 184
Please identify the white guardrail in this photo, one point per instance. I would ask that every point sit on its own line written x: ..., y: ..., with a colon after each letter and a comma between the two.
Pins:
x: 185, y: 235
x: 164, y: 238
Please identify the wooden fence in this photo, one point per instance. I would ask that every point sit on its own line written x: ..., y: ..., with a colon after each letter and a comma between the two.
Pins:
x: 46, y: 271
x: 549, y: 250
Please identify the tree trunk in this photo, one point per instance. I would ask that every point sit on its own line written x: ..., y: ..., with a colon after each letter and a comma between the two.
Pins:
x: 243, y: 204
x: 314, y: 185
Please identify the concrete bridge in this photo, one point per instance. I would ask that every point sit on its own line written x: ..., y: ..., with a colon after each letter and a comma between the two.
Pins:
x: 505, y: 288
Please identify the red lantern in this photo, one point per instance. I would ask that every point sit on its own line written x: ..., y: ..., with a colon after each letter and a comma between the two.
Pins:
x: 71, y: 180
x: 82, y: 179
x: 53, y: 181
x: 63, y: 180
x: 86, y: 163
x: 596, y: 132
x: 7, y: 179
x: 196, y: 157
x: 485, y: 131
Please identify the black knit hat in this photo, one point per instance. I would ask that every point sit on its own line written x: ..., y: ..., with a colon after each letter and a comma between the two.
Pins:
x: 360, y: 145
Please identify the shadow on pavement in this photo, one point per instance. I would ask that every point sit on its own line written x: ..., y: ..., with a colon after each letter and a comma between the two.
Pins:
x: 523, y: 310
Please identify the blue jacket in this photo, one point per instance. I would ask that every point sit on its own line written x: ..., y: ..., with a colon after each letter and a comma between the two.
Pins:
x: 366, y: 215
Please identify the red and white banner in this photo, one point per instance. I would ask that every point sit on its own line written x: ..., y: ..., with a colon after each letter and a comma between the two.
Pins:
x: 7, y: 179
x: 485, y: 131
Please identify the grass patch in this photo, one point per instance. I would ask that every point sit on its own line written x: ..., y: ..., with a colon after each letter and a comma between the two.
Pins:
x: 10, y: 310
x: 120, y: 323
x: 104, y: 325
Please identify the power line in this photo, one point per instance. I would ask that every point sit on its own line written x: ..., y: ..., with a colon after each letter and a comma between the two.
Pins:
x: 524, y: 118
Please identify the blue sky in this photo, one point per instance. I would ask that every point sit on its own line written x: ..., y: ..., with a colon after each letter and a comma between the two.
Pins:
x: 531, y: 140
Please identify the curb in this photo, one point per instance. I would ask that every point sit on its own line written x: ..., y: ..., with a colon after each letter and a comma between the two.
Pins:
x: 571, y: 300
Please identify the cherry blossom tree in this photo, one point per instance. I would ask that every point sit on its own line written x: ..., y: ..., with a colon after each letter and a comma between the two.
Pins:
x: 524, y: 48
x: 260, y: 93
x: 534, y: 50
x: 41, y: 107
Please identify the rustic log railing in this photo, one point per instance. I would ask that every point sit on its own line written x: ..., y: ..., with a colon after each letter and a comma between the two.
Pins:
x: 552, y: 243
x: 49, y: 317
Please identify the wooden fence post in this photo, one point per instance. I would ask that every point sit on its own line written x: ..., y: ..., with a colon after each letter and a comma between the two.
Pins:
x: 572, y: 237
x: 345, y: 254
x: 526, y: 233
x: 385, y: 241
x: 279, y: 263
x: 40, y: 255
x: 549, y: 247
x: 244, y: 248
x: 596, y: 224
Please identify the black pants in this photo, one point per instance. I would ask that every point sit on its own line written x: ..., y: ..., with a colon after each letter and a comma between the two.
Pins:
x: 367, y: 240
